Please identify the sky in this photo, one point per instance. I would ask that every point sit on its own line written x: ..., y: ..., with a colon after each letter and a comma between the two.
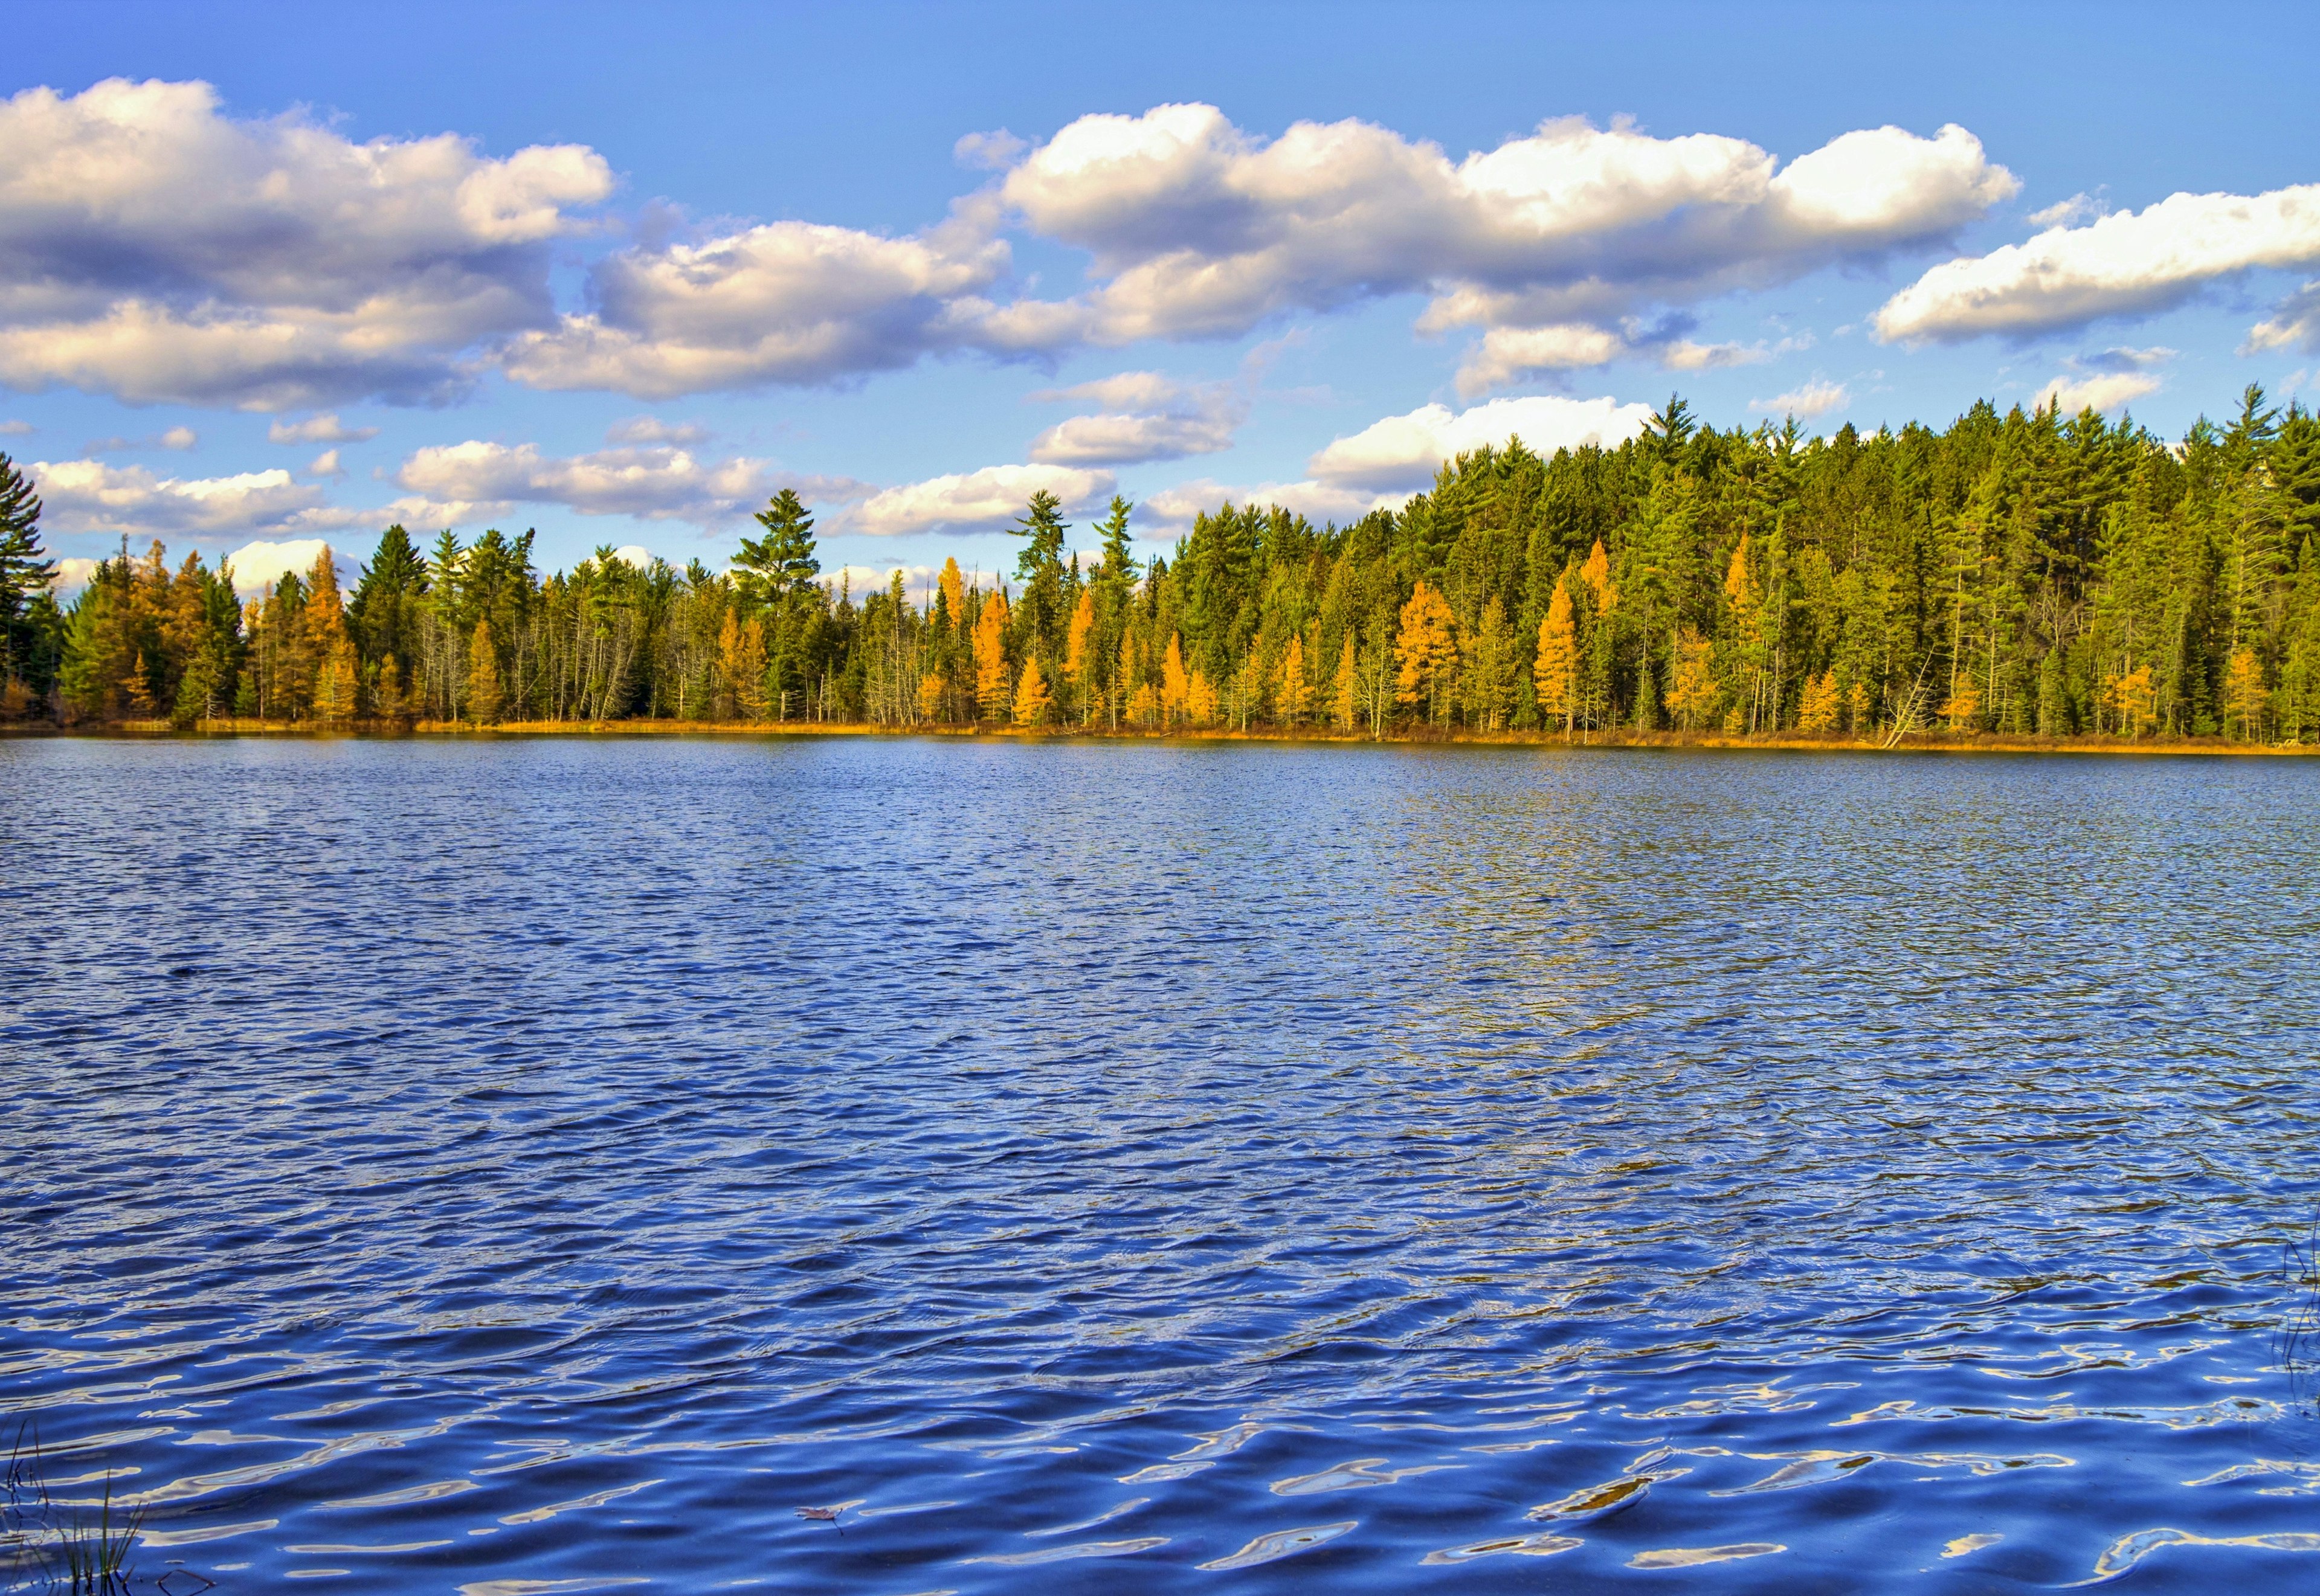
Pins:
x: 274, y: 275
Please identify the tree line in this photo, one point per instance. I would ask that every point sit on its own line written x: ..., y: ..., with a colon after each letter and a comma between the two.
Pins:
x: 2022, y: 573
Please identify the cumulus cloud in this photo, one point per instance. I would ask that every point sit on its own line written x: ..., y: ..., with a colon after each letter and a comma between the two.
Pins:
x: 153, y: 248
x: 1200, y: 229
x: 1404, y: 451
x: 325, y: 428
x: 1147, y: 417
x: 174, y: 438
x: 792, y: 302
x: 2067, y: 213
x: 2293, y: 324
x: 1175, y: 507
x: 645, y: 429
x: 89, y: 496
x: 2098, y: 391
x: 1197, y: 229
x: 326, y: 464
x: 1808, y: 400
x: 2132, y: 263
x: 258, y: 565
x: 1513, y: 354
x: 974, y: 501
x: 654, y: 483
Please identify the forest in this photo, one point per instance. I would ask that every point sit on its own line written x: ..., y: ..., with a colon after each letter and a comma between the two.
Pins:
x: 2016, y: 572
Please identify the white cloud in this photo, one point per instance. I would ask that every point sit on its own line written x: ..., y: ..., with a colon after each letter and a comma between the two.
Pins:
x: 974, y: 501
x: 258, y: 565
x: 2131, y: 264
x: 635, y: 555
x: 1200, y: 229
x: 1154, y: 418
x: 655, y: 483
x: 154, y: 250
x: 1174, y: 508
x: 174, y: 438
x: 1811, y: 399
x: 790, y: 302
x: 88, y: 496
x: 16, y: 429
x: 645, y: 429
x: 1404, y: 451
x: 2067, y: 213
x: 2101, y: 391
x: 74, y: 572
x: 325, y: 428
x: 2293, y: 324
x: 326, y: 464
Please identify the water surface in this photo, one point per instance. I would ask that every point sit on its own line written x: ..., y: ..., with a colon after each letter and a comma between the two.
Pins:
x: 548, y: 1166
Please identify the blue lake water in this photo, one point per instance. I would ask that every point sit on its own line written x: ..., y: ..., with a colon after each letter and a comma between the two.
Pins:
x: 546, y: 1165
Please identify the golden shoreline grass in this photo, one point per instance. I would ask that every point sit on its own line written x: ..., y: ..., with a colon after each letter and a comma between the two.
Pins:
x: 1929, y: 742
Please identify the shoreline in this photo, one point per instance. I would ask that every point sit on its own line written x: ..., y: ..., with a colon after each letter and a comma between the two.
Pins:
x: 1787, y: 742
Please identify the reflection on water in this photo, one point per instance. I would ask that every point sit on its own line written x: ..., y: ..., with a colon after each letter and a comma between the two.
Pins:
x: 551, y: 1166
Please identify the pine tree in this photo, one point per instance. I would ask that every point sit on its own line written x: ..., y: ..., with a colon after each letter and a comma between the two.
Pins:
x: 482, y: 677
x: 1491, y: 667
x: 26, y: 574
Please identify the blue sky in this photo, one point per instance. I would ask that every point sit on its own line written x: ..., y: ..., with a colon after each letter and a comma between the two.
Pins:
x: 673, y: 258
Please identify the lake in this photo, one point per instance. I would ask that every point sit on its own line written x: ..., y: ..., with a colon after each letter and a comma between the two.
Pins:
x: 548, y: 1166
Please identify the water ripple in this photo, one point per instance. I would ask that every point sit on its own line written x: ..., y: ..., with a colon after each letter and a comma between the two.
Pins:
x: 541, y: 1167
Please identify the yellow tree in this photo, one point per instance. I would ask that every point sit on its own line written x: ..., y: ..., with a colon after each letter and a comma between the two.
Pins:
x: 2244, y: 696
x: 749, y: 670
x: 1819, y: 709
x: 1425, y: 650
x: 1075, y: 648
x: 930, y: 696
x: 2135, y: 699
x: 725, y: 702
x: 386, y: 692
x: 324, y: 623
x: 482, y: 676
x: 1556, y: 673
x: 953, y: 590
x: 1597, y: 573
x: 1031, y: 696
x: 1343, y: 687
x: 1963, y: 709
x: 991, y: 657
x: 1124, y: 689
x: 1295, y: 696
x: 1175, y: 686
x: 1691, y: 684
x: 1199, y: 699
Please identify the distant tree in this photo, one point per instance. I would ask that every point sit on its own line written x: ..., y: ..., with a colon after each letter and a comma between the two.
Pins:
x: 1296, y: 694
x: 1032, y: 699
x: 482, y: 676
x: 1425, y: 650
x: 1817, y: 711
x: 1555, y: 669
